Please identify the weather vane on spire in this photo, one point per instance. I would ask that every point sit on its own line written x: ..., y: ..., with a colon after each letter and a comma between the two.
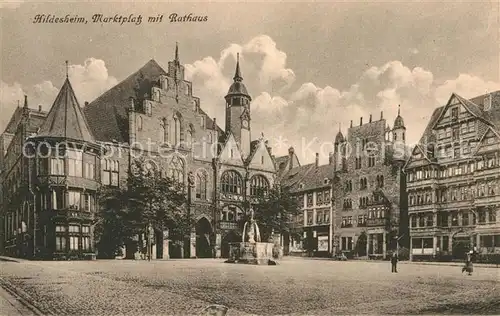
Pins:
x: 67, y: 69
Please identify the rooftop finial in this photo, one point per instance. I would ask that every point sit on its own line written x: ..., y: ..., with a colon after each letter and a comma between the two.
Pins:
x: 399, y: 109
x: 340, y: 126
x: 237, y: 74
x: 25, y: 101
x: 67, y: 69
x: 177, y: 51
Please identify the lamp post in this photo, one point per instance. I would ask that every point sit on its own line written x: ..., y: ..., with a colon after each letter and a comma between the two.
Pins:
x: 149, y: 239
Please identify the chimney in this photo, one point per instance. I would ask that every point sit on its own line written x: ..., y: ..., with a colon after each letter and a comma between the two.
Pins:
x: 39, y: 108
x: 370, y: 118
x: 317, y: 160
x: 214, y: 127
x: 291, y: 152
x: 25, y: 101
x: 351, y: 123
x: 381, y: 115
x: 360, y: 121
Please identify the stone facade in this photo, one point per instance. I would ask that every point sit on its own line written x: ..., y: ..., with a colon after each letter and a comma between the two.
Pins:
x: 369, y: 188
x: 153, y: 114
x: 453, y: 180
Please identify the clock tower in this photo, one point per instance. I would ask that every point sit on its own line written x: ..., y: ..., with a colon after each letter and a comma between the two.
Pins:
x: 238, y: 111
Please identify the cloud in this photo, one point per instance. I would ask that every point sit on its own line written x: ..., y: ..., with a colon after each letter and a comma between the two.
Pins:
x: 313, y: 114
x: 89, y: 80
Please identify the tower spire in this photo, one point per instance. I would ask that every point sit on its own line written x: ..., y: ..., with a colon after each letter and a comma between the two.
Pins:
x: 399, y: 109
x: 177, y: 51
x: 340, y: 126
x: 67, y: 69
x: 237, y: 73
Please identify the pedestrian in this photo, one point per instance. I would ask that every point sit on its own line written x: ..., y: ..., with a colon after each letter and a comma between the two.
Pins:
x: 394, y: 262
x: 468, y: 263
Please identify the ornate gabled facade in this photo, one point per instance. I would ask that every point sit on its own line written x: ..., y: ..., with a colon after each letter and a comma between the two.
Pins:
x: 369, y: 188
x: 453, y: 180
x: 226, y: 168
x: 151, y: 114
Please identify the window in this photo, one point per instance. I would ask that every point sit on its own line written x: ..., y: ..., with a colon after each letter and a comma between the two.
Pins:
x: 164, y: 131
x: 445, y: 243
x: 176, y: 170
x: 358, y: 163
x: 310, y: 217
x: 465, y: 219
x: 75, y: 159
x: 363, y: 184
x: 176, y: 129
x: 202, y: 121
x: 492, y: 216
x: 57, y: 166
x: 189, y: 136
x: 110, y: 174
x: 74, y: 229
x: 57, y: 199
x: 74, y: 200
x: 88, y: 202
x: 89, y: 170
x: 201, y: 184
x: 60, y: 229
x: 86, y: 229
x: 361, y: 220
x: 380, y: 181
x: 326, y: 197
x: 413, y: 221
x: 309, y: 199
x: 259, y: 186
x: 371, y: 161
x: 454, y: 219
x: 347, y: 204
x: 60, y: 243
x: 73, y: 243
x: 86, y: 243
x: 319, y: 198
x: 139, y: 123
x: 456, y: 133
x: 231, y: 182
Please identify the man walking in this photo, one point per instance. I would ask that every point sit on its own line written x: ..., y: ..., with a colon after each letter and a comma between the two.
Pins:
x: 394, y: 262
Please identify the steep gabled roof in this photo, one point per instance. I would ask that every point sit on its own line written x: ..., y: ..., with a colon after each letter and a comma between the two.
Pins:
x: 107, y: 115
x: 65, y: 119
x: 311, y: 176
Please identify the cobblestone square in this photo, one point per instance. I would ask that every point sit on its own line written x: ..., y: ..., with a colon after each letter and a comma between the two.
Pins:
x: 296, y: 286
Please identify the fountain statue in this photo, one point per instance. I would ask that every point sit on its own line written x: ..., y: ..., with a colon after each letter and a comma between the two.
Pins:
x: 251, y: 250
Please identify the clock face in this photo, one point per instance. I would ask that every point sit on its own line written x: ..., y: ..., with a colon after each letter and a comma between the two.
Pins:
x: 245, y: 123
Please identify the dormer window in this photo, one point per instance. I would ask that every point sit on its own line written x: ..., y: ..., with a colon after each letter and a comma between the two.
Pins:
x: 454, y: 113
x: 325, y: 181
x: 301, y: 186
x: 202, y: 122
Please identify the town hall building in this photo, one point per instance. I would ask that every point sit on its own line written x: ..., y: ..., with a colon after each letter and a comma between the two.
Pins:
x: 153, y: 115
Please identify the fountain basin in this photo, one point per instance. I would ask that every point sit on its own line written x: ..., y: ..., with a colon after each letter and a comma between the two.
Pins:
x: 260, y: 253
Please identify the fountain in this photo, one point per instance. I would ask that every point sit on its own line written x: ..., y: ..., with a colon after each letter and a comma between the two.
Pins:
x: 251, y: 250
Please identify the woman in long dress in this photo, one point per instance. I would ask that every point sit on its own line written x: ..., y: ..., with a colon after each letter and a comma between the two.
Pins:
x: 468, y: 264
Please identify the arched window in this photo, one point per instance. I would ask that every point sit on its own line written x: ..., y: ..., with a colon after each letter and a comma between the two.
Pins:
x: 259, y: 185
x: 231, y: 182
x: 189, y: 136
x: 139, y: 123
x: 177, y: 128
x: 176, y: 170
x: 201, y: 184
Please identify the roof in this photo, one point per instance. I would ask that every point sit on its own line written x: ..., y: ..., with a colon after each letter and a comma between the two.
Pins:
x: 108, y: 114
x: 339, y: 138
x: 399, y: 122
x: 311, y: 176
x: 65, y: 118
x: 238, y: 88
x: 475, y: 106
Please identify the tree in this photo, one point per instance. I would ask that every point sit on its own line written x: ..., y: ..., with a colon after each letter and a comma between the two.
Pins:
x: 274, y: 211
x: 148, y: 199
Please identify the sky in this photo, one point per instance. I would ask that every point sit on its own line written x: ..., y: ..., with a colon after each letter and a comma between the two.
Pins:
x: 310, y: 67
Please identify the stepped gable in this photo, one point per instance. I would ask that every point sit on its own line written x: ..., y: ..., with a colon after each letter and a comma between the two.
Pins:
x: 65, y: 118
x: 108, y: 114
